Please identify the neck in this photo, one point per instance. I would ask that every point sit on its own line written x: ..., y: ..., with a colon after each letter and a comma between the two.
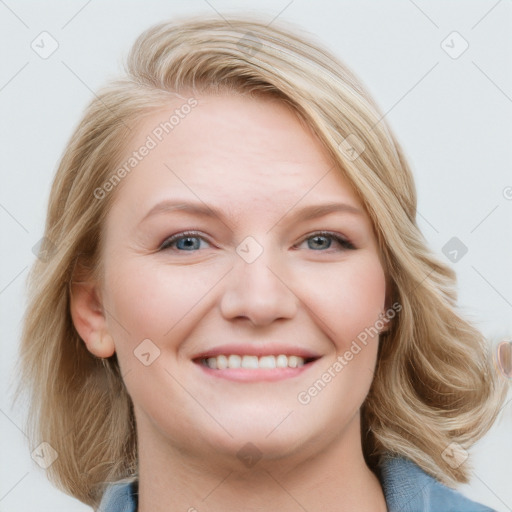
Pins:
x: 336, y: 478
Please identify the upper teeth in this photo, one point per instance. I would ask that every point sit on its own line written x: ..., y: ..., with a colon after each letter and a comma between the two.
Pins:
x: 254, y: 362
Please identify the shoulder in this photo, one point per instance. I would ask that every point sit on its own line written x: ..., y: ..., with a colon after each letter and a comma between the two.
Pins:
x: 120, y: 497
x: 407, y: 487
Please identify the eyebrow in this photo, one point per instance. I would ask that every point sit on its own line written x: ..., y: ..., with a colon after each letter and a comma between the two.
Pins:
x: 202, y: 210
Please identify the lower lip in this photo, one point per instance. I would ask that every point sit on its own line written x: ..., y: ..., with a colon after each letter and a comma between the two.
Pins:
x: 256, y: 375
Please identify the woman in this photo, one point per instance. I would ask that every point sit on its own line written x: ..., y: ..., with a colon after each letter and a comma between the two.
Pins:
x: 239, y: 311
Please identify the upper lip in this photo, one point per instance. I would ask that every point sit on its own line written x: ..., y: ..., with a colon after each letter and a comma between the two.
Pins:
x: 252, y: 349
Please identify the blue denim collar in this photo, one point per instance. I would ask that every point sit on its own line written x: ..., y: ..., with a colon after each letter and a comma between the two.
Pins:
x: 407, y: 488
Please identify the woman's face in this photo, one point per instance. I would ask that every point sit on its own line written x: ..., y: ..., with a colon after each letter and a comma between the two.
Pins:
x: 233, y: 313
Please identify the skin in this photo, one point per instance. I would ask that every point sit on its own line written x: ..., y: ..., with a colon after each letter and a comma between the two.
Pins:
x: 252, y: 159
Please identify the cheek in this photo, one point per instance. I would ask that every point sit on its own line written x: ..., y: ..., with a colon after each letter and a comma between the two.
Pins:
x: 144, y: 299
x: 148, y: 300
x: 348, y: 300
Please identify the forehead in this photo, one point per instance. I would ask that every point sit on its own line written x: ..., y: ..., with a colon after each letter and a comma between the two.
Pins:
x: 230, y: 150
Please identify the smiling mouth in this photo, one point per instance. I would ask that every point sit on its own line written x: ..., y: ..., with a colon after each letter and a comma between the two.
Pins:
x: 251, y: 362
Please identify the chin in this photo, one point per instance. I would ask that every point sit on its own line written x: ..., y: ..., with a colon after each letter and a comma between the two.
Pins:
x: 263, y: 440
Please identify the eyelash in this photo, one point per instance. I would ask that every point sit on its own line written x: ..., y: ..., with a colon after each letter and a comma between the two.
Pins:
x: 344, y: 243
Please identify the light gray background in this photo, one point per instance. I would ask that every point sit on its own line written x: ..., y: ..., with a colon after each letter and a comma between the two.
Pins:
x: 453, y: 117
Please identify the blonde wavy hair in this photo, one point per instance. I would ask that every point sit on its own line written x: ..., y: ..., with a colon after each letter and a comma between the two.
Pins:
x: 434, y: 382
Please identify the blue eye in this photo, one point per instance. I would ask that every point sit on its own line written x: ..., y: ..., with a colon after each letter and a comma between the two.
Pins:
x: 183, y: 242
x: 191, y: 242
x: 323, y: 240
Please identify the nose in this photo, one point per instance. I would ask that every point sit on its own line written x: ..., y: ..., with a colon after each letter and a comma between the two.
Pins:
x: 260, y: 291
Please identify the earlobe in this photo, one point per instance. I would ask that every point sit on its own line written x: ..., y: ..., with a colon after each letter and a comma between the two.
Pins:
x: 389, y: 311
x: 100, y: 344
x: 382, y: 323
x: 89, y: 319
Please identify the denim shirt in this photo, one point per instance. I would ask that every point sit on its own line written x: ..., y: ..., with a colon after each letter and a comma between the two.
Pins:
x: 407, y: 488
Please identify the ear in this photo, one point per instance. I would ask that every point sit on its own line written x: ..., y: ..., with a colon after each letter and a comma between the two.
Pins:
x: 89, y: 318
x: 390, y: 293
